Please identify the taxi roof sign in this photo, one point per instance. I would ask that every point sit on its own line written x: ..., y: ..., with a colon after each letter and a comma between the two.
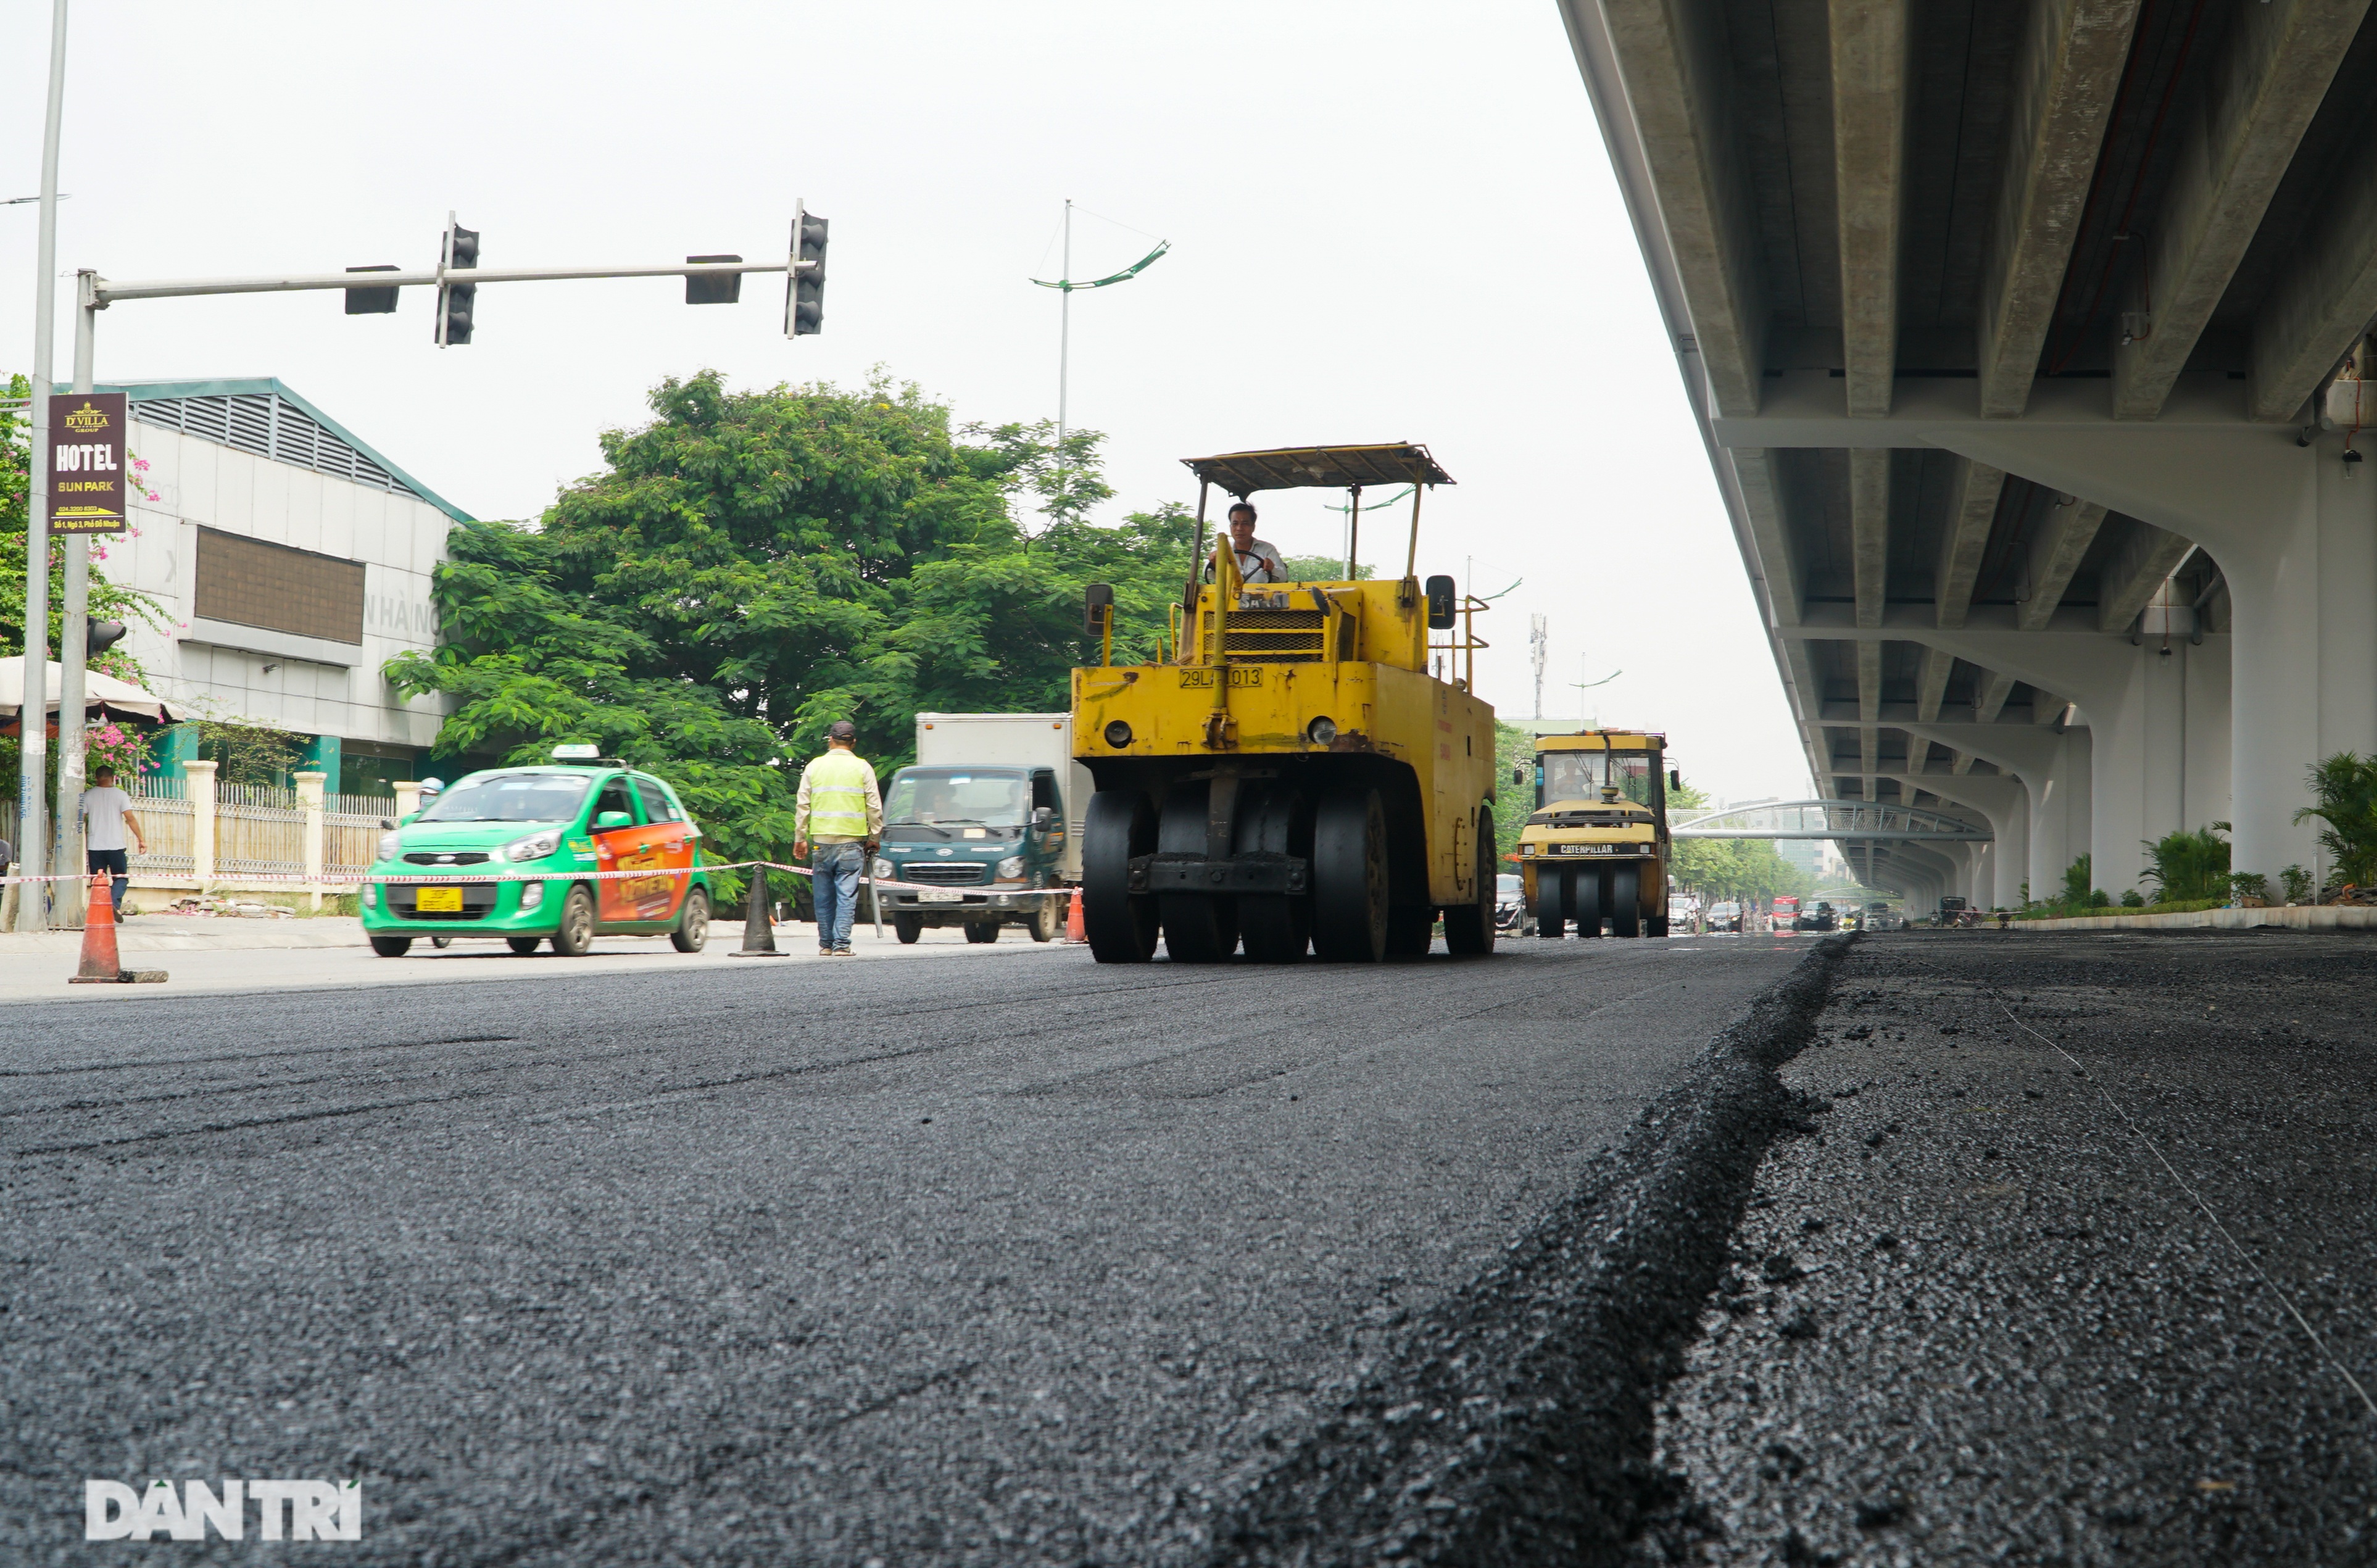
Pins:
x: 576, y: 752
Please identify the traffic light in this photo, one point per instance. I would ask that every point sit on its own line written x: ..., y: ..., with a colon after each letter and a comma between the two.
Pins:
x: 372, y: 302
x: 716, y: 288
x: 99, y: 636
x: 459, y: 253
x: 805, y: 291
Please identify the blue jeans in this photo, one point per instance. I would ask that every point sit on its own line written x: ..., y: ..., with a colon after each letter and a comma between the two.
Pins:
x: 833, y: 880
x: 115, y: 860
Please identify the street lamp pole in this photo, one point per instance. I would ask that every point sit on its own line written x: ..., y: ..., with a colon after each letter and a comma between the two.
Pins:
x: 73, y: 651
x: 32, y: 720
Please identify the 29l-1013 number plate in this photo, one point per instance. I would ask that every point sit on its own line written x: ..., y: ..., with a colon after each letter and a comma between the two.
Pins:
x: 939, y: 895
x: 439, y: 901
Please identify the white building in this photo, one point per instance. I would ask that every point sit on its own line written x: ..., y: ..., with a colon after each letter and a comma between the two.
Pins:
x: 291, y: 561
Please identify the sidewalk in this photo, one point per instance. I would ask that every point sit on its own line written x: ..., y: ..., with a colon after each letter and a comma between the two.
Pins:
x: 330, y: 951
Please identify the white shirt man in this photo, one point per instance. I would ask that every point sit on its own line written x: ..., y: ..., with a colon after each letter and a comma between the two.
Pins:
x: 107, y: 818
x: 1258, y: 561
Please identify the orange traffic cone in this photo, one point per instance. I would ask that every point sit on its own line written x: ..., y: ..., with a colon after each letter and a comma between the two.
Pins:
x: 100, y: 964
x: 1074, y: 930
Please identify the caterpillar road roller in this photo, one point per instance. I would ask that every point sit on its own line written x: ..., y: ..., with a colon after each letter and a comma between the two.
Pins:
x: 1597, y: 848
x: 1306, y: 771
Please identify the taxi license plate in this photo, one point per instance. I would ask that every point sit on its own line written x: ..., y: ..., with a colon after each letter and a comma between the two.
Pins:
x: 440, y: 900
x: 939, y: 895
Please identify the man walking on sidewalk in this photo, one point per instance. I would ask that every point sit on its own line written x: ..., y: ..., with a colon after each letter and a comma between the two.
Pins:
x: 840, y: 807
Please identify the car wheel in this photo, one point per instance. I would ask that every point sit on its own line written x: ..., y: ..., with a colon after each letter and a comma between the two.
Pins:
x: 577, y: 930
x: 522, y: 945
x: 441, y: 943
x: 693, y: 926
x: 907, y: 927
x: 391, y: 947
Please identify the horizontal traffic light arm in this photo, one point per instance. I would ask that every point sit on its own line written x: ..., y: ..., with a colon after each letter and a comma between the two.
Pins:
x: 104, y: 291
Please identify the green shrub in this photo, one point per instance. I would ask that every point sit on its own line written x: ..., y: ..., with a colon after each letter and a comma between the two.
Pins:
x: 2133, y: 899
x: 2344, y: 792
x: 2249, y: 884
x: 2187, y: 866
x: 2298, y: 884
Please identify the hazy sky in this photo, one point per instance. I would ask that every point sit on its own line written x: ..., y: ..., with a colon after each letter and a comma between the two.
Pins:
x: 1390, y: 222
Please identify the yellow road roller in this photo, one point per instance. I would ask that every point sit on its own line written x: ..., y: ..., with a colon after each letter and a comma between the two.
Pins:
x: 1308, y: 772
x: 1597, y: 846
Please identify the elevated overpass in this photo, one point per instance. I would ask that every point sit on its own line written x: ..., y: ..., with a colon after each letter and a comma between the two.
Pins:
x: 1907, y: 849
x: 2026, y: 339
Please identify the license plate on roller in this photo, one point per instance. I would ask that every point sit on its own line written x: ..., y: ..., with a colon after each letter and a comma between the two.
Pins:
x: 440, y: 900
x: 937, y: 895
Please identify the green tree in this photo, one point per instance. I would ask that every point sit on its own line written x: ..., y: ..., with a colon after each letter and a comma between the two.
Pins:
x: 753, y: 565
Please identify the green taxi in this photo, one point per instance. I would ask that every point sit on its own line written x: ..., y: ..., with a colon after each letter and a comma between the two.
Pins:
x: 583, y: 814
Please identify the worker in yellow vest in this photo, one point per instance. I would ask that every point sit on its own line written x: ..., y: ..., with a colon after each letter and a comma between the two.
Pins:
x: 840, y: 807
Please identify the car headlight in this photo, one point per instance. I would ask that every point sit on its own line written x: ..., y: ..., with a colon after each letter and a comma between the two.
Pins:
x: 1011, y: 866
x: 883, y: 872
x: 536, y: 846
x: 391, y: 846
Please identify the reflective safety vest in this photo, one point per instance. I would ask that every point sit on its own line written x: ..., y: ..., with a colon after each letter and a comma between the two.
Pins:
x: 836, y: 784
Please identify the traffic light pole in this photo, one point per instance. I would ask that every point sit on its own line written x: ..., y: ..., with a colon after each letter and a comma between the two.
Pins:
x: 74, y: 650
x: 96, y: 293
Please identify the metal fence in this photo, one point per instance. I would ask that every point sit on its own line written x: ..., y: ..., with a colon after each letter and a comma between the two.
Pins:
x: 259, y: 831
x: 168, y: 829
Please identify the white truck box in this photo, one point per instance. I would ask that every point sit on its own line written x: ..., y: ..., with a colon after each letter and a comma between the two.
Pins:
x: 1014, y: 740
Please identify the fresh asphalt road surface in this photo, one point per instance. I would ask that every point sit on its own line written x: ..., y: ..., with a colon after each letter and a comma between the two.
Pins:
x: 1003, y: 1257
x: 2077, y: 1267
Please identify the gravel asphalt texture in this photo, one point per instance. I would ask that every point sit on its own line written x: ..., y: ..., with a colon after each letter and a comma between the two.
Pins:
x: 1971, y: 1317
x: 1002, y: 1258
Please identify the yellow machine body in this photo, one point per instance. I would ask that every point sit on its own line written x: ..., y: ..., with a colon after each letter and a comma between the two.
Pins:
x: 1597, y: 846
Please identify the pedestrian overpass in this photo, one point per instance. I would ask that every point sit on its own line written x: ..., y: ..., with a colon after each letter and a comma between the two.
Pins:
x: 1915, y: 850
x: 2028, y: 344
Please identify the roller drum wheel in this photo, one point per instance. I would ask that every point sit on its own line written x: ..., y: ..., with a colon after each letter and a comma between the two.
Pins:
x: 1588, y: 897
x: 1121, y: 925
x: 1625, y: 901
x: 1349, y: 877
x: 1469, y: 930
x: 1275, y: 819
x: 1198, y: 928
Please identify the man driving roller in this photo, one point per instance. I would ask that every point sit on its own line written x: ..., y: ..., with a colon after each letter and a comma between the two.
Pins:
x: 1258, y: 561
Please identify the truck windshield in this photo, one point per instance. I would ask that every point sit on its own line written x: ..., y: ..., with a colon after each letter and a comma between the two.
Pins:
x: 510, y: 798
x: 1579, y: 776
x: 958, y: 794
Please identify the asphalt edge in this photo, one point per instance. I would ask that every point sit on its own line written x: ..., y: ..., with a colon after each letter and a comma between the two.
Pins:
x: 1514, y: 1421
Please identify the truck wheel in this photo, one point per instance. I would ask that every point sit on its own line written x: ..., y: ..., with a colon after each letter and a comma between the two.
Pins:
x: 693, y: 926
x: 1121, y: 925
x: 1469, y: 930
x: 1276, y: 927
x: 1551, y: 902
x: 576, y: 933
x: 982, y: 930
x: 391, y: 947
x: 1656, y: 925
x: 1049, y: 919
x: 1198, y: 928
x: 907, y: 927
x: 1586, y: 899
x: 1625, y: 901
x: 1349, y: 877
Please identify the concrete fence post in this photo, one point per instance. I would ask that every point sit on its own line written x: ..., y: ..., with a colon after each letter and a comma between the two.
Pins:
x: 199, y: 780
x: 309, y: 796
x: 408, y: 799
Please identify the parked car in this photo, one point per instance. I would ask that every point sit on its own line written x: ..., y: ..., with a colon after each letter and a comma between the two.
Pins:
x: 1511, y: 915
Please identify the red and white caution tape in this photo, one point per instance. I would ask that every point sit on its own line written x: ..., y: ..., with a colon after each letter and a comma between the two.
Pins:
x: 440, y: 878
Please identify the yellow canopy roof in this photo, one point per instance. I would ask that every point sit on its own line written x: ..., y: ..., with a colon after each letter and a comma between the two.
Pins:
x: 1323, y: 468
